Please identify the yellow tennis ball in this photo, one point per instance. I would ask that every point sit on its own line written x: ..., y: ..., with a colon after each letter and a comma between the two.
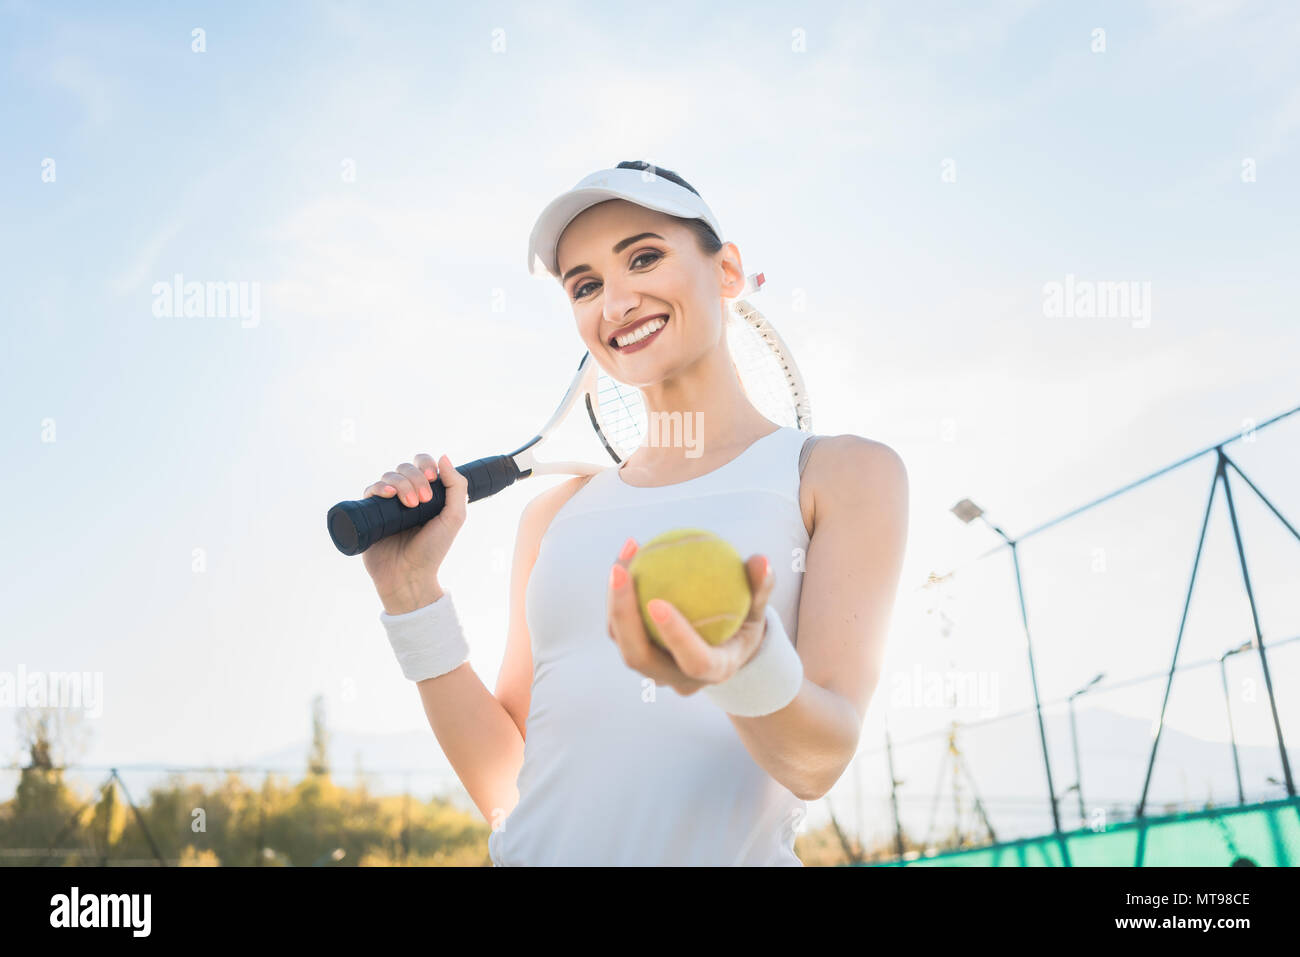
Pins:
x: 700, y: 575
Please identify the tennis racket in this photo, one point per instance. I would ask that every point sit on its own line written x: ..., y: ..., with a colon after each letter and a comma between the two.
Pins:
x: 617, y: 412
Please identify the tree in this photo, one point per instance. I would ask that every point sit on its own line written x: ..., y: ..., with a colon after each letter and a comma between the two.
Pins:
x: 318, y: 761
x: 43, y: 804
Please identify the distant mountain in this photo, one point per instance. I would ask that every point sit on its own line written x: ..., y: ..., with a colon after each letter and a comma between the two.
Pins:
x: 415, y: 751
x: 391, y: 763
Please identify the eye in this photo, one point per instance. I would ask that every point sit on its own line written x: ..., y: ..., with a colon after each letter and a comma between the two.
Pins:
x: 651, y: 255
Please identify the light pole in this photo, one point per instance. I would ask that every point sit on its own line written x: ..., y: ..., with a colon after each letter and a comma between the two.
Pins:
x: 968, y: 511
x: 1227, y: 703
x: 1074, y: 738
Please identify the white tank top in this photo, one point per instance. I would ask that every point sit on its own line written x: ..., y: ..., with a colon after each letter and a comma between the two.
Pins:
x: 616, y: 773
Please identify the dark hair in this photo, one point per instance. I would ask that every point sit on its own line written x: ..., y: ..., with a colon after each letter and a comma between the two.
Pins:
x: 705, y: 237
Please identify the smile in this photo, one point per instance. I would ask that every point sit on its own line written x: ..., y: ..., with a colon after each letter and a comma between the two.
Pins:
x: 640, y: 335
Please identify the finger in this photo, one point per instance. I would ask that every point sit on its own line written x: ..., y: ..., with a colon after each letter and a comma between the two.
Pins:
x: 625, y: 624
x: 427, y: 464
x: 625, y: 599
x: 761, y: 581
x: 687, y: 686
x: 456, y: 497
x: 418, y: 479
x: 694, y: 656
x: 627, y: 628
x: 405, y: 489
x: 381, y: 489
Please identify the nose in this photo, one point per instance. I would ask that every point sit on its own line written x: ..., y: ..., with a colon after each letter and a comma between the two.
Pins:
x: 620, y: 301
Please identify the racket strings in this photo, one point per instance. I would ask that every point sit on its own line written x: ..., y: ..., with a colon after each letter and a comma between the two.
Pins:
x: 762, y: 374
x: 621, y: 413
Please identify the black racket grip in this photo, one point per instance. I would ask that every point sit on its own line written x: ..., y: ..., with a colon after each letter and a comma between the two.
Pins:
x: 355, y: 526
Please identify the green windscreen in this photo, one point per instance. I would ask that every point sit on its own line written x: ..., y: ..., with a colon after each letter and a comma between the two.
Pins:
x: 1266, y: 834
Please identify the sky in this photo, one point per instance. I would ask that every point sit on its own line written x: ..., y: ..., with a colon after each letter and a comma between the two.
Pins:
x: 913, y: 180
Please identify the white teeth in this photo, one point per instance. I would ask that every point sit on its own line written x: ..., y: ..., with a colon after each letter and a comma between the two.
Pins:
x: 654, y: 325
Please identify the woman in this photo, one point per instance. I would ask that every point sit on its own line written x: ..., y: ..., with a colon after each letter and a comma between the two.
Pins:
x: 615, y: 771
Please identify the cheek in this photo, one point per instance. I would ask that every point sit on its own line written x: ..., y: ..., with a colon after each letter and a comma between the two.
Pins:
x: 588, y: 324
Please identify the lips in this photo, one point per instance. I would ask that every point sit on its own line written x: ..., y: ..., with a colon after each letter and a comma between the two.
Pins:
x: 633, y: 327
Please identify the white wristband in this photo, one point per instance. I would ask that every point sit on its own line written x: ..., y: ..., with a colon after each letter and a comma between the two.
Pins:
x: 428, y: 642
x: 768, y: 682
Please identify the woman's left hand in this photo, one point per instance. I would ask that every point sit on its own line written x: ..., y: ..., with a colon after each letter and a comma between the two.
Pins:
x: 690, y: 662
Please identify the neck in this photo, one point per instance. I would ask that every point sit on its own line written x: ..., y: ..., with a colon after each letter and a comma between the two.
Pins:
x: 699, y: 415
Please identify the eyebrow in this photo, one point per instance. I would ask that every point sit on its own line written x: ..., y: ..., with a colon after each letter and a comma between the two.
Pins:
x: 618, y: 248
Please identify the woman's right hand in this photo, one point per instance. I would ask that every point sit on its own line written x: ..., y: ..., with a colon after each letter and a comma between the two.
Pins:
x: 404, y: 567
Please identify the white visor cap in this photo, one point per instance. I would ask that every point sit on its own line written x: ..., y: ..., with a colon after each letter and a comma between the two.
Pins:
x: 641, y: 186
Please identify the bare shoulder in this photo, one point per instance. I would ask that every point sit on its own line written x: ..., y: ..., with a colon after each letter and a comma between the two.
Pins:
x: 539, y: 512
x: 855, y: 471
x: 840, y: 456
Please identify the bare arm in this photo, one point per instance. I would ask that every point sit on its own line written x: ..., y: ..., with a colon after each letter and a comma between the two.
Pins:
x: 483, y: 734
x: 853, y: 566
x: 478, y: 736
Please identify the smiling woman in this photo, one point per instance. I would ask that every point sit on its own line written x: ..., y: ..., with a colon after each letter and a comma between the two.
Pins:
x: 625, y: 764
